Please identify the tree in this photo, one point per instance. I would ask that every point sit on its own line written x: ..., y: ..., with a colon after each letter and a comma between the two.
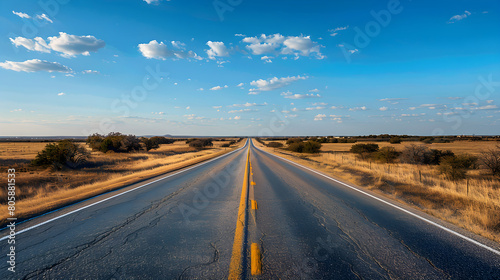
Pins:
x: 60, y: 154
x: 491, y: 160
x: 455, y: 167
x: 387, y: 154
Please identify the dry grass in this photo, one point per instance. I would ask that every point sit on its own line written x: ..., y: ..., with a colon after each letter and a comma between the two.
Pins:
x: 457, y: 147
x: 40, y: 190
x: 419, y: 186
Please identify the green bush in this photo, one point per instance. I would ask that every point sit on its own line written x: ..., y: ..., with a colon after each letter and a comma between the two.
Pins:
x: 455, y: 167
x: 364, y: 148
x: 60, y: 154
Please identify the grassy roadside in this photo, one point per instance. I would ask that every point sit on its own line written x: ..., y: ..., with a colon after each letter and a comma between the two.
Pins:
x: 477, y: 211
x: 46, y: 200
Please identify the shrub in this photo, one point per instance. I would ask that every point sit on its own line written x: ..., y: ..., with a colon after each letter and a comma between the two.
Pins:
x: 395, y: 140
x: 386, y: 154
x: 434, y: 156
x: 150, y: 143
x: 364, y: 148
x: 305, y: 147
x: 155, y: 141
x: 414, y: 154
x: 274, y: 144
x: 491, y: 160
x: 293, y: 140
x: 455, y: 167
x: 225, y: 145
x: 201, y: 143
x: 60, y: 154
x: 115, y: 142
x: 296, y: 147
x: 311, y: 147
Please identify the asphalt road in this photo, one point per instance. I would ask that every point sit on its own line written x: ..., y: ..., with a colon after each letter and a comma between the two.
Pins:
x: 183, y: 227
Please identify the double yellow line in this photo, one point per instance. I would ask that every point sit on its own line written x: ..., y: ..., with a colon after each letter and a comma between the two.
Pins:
x: 236, y: 265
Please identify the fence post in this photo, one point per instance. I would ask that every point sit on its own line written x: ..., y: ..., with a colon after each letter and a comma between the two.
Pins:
x: 467, y: 186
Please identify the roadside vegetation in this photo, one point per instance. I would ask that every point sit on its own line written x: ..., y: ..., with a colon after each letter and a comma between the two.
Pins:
x: 53, y: 174
x: 457, y: 181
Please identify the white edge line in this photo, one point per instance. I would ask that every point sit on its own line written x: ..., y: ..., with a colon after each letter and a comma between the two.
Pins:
x: 119, y: 194
x: 390, y: 204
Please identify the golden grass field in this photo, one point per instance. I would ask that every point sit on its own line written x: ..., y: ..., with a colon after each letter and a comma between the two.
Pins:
x: 42, y: 189
x: 419, y: 186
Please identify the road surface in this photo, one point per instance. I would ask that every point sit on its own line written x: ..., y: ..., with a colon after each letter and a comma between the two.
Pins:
x: 206, y: 221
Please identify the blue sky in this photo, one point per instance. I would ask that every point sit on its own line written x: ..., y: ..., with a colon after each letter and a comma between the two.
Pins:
x: 70, y: 67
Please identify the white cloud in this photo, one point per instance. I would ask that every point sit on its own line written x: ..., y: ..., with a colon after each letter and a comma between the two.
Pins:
x: 201, y: 89
x: 383, y: 108
x: 456, y: 18
x: 363, y: 108
x: 319, y: 117
x: 218, y: 87
x: 216, y: 107
x: 188, y: 107
x: 314, y: 90
x: 315, y: 108
x: 334, y: 32
x: 489, y: 101
x: 178, y: 45
x: 240, y: 84
x: 44, y: 17
x: 217, y: 49
x: 71, y: 45
x: 35, y: 65
x: 302, y: 45
x: 242, y: 111
x: 267, y: 59
x: 37, y: 44
x: 90, y: 72
x: 392, y: 99
x: 487, y: 107
x: 273, y: 83
x: 155, y: 2
x: 61, y: 93
x: 248, y: 104
x: 68, y: 45
x: 21, y: 15
x: 156, y: 50
x: 237, y: 118
x: 279, y: 44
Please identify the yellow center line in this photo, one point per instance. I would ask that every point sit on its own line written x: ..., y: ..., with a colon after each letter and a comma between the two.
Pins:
x: 256, y: 262
x: 235, y: 267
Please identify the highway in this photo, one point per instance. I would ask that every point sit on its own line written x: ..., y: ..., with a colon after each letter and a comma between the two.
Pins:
x: 245, y: 215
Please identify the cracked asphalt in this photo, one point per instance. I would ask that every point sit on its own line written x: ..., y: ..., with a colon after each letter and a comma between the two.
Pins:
x: 183, y: 227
